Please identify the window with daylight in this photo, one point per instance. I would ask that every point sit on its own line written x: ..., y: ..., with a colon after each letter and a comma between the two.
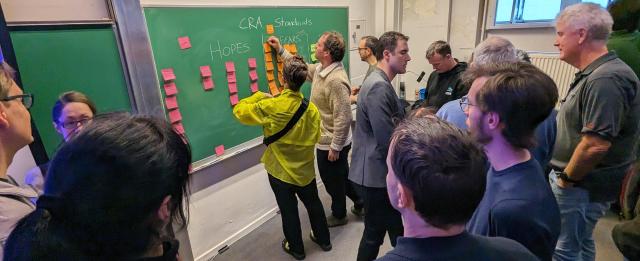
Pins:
x: 531, y: 11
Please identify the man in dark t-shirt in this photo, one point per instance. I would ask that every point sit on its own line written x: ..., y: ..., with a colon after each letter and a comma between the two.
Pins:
x: 437, y: 192
x: 444, y: 83
x: 505, y: 104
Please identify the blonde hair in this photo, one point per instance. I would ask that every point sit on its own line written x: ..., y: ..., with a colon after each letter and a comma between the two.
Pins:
x: 6, y: 79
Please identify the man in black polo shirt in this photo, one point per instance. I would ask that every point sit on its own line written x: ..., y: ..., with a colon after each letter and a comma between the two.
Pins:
x: 444, y: 82
x: 597, y: 128
x: 436, y: 179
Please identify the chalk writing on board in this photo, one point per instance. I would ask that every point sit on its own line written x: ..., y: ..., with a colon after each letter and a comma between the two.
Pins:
x: 292, y: 22
x: 249, y: 23
x: 228, y: 49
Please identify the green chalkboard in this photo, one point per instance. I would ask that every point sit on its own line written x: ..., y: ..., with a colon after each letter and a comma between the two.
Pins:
x: 221, y: 34
x: 53, y: 61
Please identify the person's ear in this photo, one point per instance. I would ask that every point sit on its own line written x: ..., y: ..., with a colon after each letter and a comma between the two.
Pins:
x: 493, y: 120
x: 582, y: 35
x: 405, y: 197
x: 4, y: 119
x: 164, y: 212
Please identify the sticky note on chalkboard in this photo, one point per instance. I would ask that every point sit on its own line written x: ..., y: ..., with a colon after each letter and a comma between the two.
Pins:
x: 269, y: 66
x: 253, y: 75
x: 252, y: 63
x: 267, y: 57
x: 178, y: 128
x: 207, y: 83
x: 267, y: 48
x: 270, y: 29
x: 184, y: 42
x: 205, y: 71
x: 254, y: 87
x: 219, y: 150
x: 230, y: 67
x: 273, y: 88
x: 270, y: 77
x: 168, y: 75
x: 171, y: 102
x: 231, y: 77
x: 280, y: 67
x: 233, y: 99
x: 293, y: 49
x: 170, y: 89
x: 313, y: 48
x: 175, y: 116
x: 233, y: 88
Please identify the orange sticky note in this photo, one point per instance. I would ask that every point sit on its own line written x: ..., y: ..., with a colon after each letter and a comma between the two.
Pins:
x: 230, y: 67
x: 207, y: 83
x: 280, y: 66
x: 267, y: 57
x: 294, y: 49
x: 267, y: 48
x: 269, y: 29
x: 233, y: 88
x: 171, y: 102
x: 219, y: 150
x: 273, y: 88
x: 269, y: 66
x: 175, y: 116
x: 254, y: 87
x: 205, y: 71
x: 233, y: 99
x: 270, y: 77
x: 178, y: 128
x: 252, y: 63
x: 184, y: 42
x: 168, y: 75
x: 253, y: 75
x: 170, y: 89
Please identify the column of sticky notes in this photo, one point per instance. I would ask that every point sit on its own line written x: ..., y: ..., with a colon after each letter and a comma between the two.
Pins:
x: 207, y: 80
x: 170, y: 100
x: 253, y: 74
x: 312, y: 47
x: 268, y: 61
x: 233, y: 85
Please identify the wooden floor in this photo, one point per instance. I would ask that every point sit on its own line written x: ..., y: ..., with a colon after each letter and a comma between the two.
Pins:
x: 264, y: 242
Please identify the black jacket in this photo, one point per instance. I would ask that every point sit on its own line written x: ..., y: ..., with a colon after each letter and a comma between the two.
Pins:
x: 446, y: 86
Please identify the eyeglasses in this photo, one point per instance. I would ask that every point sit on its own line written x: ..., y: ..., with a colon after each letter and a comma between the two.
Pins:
x: 70, y: 125
x: 464, y: 103
x: 26, y: 99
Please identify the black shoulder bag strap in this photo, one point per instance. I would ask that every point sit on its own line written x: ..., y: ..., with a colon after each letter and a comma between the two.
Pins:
x: 296, y: 117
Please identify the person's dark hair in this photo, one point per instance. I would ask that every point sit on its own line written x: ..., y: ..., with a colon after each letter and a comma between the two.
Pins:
x: 443, y: 168
x: 69, y: 97
x: 334, y: 43
x: 389, y: 41
x: 521, y: 94
x: 372, y: 43
x: 103, y: 192
x: 295, y: 72
x: 625, y: 14
x: 438, y: 47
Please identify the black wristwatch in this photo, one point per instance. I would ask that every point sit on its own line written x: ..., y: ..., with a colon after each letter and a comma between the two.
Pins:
x: 564, y: 177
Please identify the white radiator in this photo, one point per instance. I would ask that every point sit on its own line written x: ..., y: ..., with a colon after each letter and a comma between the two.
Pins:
x: 562, y: 73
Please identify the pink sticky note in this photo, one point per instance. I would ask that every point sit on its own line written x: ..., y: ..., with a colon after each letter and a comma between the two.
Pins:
x: 207, y: 83
x: 234, y: 99
x: 231, y: 77
x: 179, y: 128
x: 170, y: 89
x: 171, y: 102
x: 230, y: 67
x: 175, y: 116
x: 233, y: 88
x: 253, y: 75
x: 168, y: 75
x: 205, y: 71
x: 254, y: 86
x: 219, y: 150
x: 184, y: 42
x: 252, y: 63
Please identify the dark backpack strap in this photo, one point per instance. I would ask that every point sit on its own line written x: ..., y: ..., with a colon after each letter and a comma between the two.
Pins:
x: 296, y: 117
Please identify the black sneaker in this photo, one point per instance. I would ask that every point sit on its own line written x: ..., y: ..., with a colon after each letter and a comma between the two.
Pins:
x: 357, y: 211
x: 336, y: 222
x: 326, y: 247
x: 285, y: 247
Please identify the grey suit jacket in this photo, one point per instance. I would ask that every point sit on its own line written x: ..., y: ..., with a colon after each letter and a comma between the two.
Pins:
x: 377, y: 115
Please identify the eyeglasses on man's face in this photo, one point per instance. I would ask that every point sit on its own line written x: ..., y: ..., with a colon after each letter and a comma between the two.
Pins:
x: 26, y: 99
x: 70, y: 125
x: 464, y: 103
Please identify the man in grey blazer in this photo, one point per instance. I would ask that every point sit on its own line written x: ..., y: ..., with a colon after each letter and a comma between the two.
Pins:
x: 377, y: 114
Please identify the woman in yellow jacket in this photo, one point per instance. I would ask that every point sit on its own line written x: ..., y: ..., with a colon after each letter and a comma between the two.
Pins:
x: 290, y: 160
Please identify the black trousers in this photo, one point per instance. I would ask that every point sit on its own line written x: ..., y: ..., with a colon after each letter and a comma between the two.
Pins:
x: 380, y: 218
x: 335, y: 175
x: 286, y: 198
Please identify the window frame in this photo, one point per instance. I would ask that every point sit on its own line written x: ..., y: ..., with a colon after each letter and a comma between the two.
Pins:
x: 492, y: 9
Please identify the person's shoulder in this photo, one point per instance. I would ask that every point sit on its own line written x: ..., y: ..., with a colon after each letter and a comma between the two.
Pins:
x: 392, y: 257
x: 500, y: 248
